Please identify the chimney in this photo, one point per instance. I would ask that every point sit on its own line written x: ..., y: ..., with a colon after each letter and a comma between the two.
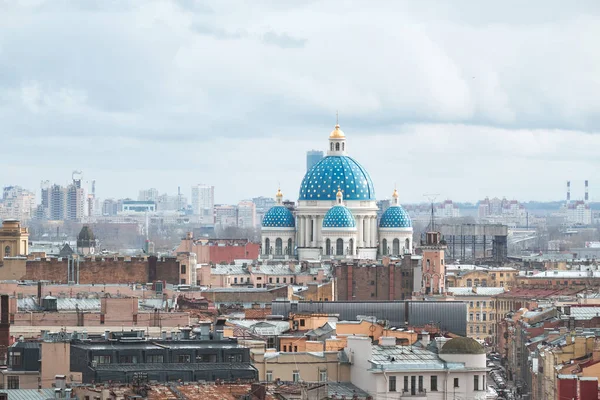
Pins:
x: 4, y: 327
x: 387, y: 341
x: 425, y: 338
x: 39, y: 293
x: 568, y: 192
x: 586, y: 192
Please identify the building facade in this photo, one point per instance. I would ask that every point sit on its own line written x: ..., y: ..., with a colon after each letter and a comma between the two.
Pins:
x: 14, y: 239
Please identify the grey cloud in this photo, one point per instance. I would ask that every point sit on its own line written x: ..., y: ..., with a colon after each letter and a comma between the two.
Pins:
x: 218, y: 33
x: 283, y: 40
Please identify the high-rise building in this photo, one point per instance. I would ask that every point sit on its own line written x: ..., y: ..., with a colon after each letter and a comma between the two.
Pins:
x: 16, y: 203
x: 110, y: 207
x: 57, y: 203
x: 148, y: 195
x: 313, y: 157
x: 203, y: 202
x: 75, y: 209
x: 246, y: 216
x: 225, y: 215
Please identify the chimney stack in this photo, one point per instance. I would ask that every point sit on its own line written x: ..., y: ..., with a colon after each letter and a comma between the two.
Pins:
x: 568, y: 192
x: 4, y: 328
x: 586, y: 192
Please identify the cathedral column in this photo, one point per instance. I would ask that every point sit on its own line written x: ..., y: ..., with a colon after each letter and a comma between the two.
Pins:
x: 367, y: 232
x: 307, y: 232
x: 318, y: 229
x: 314, y: 231
x: 374, y: 223
x: 359, y: 232
x: 301, y: 231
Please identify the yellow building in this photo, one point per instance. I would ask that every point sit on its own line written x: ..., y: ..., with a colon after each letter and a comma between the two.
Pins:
x: 302, y: 366
x: 14, y: 240
x: 481, y: 310
x: 480, y: 275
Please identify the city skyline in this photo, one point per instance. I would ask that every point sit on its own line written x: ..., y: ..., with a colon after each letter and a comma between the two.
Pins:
x: 474, y: 100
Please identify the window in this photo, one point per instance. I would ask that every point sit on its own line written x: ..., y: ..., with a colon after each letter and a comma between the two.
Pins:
x: 339, y: 247
x: 384, y: 247
x: 284, y: 280
x: 154, y: 358
x: 101, y: 359
x: 277, y: 280
x: 285, y: 348
x: 337, y: 147
x: 302, y: 322
x: 483, y: 304
x: 455, y: 382
x: 15, y: 359
x: 270, y: 280
x: 470, y: 304
x: 405, y: 384
x: 433, y: 384
x: 278, y: 246
x: 183, y: 269
x: 7, y: 254
x: 476, y: 282
x: 234, y: 280
x: 471, y: 329
x: 296, y: 376
x: 477, y: 329
x: 477, y: 304
x: 407, y: 247
x: 476, y: 382
x: 477, y: 317
x: 484, y: 283
x: 127, y: 360
x: 182, y: 281
x: 484, y: 317
x: 392, y: 384
x: 295, y: 349
x: 183, y: 358
x: 289, y: 247
x: 12, y: 382
x: 396, y: 247
x: 421, y: 383
x: 331, y: 146
x: 427, y: 263
x: 328, y: 249
x: 269, y: 376
x: 233, y: 358
x: 470, y: 316
x: 267, y: 246
x: 323, y: 376
x: 469, y: 283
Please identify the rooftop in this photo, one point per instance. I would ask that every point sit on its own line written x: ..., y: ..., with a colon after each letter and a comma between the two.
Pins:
x: 475, y: 291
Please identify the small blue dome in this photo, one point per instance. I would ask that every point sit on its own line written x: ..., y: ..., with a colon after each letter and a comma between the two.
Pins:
x: 322, y: 181
x: 395, y: 217
x: 278, y: 217
x: 339, y: 217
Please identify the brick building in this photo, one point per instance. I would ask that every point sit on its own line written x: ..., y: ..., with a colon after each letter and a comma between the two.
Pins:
x: 217, y: 251
x: 391, y: 280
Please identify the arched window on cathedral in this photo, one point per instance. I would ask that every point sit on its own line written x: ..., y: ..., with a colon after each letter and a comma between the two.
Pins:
x: 278, y: 246
x: 328, y: 247
x: 337, y: 147
x: 343, y: 146
x: 289, y: 247
x: 407, y: 246
x: 331, y: 146
x: 384, y: 249
x: 351, y: 247
x: 396, y: 247
x: 7, y: 251
x: 339, y: 247
x: 267, y: 246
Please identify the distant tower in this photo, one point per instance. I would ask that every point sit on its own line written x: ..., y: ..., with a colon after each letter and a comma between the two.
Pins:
x: 568, y: 192
x: 587, y: 197
x: 434, y: 266
x: 312, y: 158
x: 86, y: 241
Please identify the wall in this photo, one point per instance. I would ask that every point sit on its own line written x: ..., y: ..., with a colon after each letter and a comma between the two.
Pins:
x: 244, y: 296
x: 105, y: 270
x: 26, y: 380
x: 211, y: 251
x: 56, y: 361
x: 380, y: 282
x: 12, y: 268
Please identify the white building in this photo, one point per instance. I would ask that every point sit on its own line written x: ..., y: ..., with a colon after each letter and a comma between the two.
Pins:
x: 16, y: 203
x: 452, y: 369
x: 246, y: 214
x: 203, y: 202
x: 148, y: 195
x: 579, y: 213
x: 225, y: 215
x: 336, y: 214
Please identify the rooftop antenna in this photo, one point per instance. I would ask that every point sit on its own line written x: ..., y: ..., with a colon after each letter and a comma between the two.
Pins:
x: 431, y: 197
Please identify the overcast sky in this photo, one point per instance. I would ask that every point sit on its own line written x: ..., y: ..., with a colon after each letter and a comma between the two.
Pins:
x: 457, y: 98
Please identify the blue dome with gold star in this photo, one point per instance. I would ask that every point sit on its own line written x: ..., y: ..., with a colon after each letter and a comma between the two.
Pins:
x: 321, y: 182
x: 278, y: 217
x: 395, y: 217
x: 339, y: 217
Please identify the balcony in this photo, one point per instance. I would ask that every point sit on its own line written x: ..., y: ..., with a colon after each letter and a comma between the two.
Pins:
x: 414, y: 394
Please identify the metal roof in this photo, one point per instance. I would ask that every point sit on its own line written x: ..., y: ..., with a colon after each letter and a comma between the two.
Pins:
x: 207, y: 366
x: 29, y: 394
x: 585, y: 313
x: 475, y: 291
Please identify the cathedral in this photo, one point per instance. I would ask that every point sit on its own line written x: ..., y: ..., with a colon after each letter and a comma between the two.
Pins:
x: 336, y: 214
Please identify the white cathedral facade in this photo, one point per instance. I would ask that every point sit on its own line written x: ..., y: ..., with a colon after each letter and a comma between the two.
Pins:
x: 336, y: 215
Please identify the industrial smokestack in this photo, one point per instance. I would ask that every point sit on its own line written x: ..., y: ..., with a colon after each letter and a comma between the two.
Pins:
x: 586, y: 192
x: 568, y: 192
